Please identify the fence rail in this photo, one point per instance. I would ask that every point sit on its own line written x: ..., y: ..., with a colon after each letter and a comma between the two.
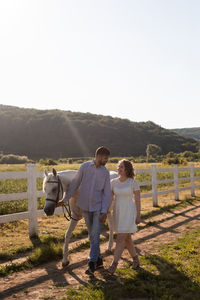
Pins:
x: 32, y: 193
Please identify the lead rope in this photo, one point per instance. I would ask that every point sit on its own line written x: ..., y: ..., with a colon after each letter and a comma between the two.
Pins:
x: 66, y: 207
x: 68, y: 210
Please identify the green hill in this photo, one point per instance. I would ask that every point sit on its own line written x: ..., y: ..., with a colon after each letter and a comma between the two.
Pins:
x: 55, y: 134
x: 193, y: 132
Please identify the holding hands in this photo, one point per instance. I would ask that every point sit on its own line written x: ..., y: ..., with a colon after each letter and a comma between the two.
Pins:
x: 102, y: 218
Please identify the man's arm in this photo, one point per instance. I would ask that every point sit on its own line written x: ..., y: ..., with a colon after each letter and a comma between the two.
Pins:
x: 74, y: 185
x: 106, y: 195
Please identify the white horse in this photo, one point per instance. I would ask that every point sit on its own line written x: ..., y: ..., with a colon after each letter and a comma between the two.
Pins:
x: 54, y: 185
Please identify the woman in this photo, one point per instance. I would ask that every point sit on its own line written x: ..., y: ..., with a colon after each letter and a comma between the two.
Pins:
x: 126, y: 213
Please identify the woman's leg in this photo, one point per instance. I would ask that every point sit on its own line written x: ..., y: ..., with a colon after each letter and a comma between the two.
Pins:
x: 120, y: 245
x: 130, y: 246
x: 110, y: 226
x: 131, y: 249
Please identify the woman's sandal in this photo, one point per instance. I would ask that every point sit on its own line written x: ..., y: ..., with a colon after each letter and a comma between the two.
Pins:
x: 136, y: 262
x: 112, y: 268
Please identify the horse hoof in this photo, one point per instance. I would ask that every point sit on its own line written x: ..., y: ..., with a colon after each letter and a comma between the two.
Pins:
x: 65, y: 262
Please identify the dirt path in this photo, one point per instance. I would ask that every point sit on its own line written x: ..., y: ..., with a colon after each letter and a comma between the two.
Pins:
x: 51, y: 279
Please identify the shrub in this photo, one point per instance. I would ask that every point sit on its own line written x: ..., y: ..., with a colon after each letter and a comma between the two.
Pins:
x: 42, y: 161
x: 14, y: 159
x: 70, y: 161
x: 152, y: 160
x: 79, y: 161
x: 114, y: 160
x: 140, y: 159
x: 187, y: 154
x: 63, y: 160
x: 47, y: 162
x: 174, y: 161
x: 190, y: 156
x: 171, y: 154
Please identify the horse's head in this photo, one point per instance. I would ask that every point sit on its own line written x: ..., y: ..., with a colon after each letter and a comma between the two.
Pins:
x: 52, y: 186
x: 113, y: 174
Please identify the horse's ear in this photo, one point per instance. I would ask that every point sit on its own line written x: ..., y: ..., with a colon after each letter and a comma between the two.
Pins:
x: 45, y: 172
x: 54, y: 172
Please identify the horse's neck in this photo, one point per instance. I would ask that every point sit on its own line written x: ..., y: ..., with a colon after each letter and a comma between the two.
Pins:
x: 66, y: 177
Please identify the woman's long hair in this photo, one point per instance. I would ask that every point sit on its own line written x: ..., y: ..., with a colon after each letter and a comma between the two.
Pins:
x: 128, y: 168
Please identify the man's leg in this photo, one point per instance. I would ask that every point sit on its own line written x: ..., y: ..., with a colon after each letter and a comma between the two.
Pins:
x: 95, y: 237
x: 94, y: 228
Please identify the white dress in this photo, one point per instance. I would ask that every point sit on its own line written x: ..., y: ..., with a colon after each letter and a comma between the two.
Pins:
x: 124, y: 209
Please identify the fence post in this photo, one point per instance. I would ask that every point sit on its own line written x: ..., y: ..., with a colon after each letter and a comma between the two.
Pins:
x: 32, y: 200
x: 154, y: 186
x: 192, y: 180
x: 176, y: 192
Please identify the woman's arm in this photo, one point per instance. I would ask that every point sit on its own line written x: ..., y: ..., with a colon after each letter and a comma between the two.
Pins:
x: 138, y: 206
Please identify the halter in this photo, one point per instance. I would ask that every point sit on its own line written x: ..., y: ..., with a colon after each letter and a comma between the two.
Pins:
x: 60, y: 187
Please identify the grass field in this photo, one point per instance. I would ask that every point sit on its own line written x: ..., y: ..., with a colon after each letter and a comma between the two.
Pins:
x: 15, y: 241
x: 173, y: 273
x: 49, y: 224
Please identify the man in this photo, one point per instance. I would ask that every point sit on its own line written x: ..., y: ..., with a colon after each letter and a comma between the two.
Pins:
x: 94, y: 199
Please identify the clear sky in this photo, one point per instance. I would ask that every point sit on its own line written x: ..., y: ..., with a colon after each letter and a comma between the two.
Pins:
x: 134, y: 59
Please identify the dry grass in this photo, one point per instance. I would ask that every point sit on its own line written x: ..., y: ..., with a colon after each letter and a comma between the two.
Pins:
x: 15, y: 235
x: 61, y: 167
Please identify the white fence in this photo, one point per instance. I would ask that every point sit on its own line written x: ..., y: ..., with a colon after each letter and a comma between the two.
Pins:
x: 32, y: 193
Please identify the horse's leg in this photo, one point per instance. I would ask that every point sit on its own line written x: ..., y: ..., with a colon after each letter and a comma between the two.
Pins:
x: 110, y: 226
x: 76, y: 216
x: 72, y: 225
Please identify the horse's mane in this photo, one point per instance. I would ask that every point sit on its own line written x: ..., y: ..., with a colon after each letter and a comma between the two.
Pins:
x: 49, y: 176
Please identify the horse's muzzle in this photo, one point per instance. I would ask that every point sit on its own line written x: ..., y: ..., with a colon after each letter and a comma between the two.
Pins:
x: 49, y: 209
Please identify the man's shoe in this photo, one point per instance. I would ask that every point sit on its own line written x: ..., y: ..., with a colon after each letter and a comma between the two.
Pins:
x: 99, y: 263
x: 91, y: 268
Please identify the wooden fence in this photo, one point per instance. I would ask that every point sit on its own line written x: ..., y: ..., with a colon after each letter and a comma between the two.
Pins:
x: 32, y: 193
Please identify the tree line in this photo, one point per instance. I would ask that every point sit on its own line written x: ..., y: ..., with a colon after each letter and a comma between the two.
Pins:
x: 193, y: 132
x: 54, y: 133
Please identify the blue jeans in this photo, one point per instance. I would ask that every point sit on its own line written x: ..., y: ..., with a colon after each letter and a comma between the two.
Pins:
x: 94, y: 229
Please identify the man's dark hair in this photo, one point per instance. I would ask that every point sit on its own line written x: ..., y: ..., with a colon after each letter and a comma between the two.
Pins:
x: 102, y: 151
